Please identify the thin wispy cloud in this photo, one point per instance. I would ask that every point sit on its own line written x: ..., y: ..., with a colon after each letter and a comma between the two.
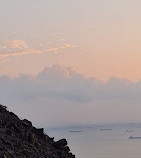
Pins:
x: 17, y: 44
x: 67, y: 45
x: 19, y: 48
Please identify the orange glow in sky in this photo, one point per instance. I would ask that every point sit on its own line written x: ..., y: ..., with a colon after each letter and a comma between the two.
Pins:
x: 98, y: 39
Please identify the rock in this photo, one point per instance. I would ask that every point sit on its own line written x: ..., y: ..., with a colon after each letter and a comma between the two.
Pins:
x: 19, y: 139
x: 26, y: 123
x: 60, y: 143
x: 39, y: 132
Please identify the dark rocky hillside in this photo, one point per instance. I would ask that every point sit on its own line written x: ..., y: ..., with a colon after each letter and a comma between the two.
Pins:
x: 19, y: 139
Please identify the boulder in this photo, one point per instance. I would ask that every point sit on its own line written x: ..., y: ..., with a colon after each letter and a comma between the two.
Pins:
x: 60, y: 143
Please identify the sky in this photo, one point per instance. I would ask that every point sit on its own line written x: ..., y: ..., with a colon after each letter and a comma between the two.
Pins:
x: 81, y: 57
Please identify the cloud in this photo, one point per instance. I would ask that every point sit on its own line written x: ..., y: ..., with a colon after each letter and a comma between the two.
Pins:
x: 13, y: 46
x: 17, y: 44
x: 60, y: 95
x: 62, y: 82
x: 67, y: 45
x: 51, y: 49
x: 19, y: 48
x: 56, y: 82
x: 21, y: 53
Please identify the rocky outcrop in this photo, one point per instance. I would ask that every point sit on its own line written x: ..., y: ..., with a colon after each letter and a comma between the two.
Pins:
x: 19, y: 139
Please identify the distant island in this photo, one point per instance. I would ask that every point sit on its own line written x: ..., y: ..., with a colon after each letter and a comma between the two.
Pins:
x: 19, y: 139
x: 75, y: 131
x: 106, y: 129
x: 129, y: 131
x: 131, y: 137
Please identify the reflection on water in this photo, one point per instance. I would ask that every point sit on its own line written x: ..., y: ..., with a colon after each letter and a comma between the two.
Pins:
x: 92, y: 142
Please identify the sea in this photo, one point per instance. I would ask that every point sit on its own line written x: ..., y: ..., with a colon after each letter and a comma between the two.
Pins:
x: 101, y: 140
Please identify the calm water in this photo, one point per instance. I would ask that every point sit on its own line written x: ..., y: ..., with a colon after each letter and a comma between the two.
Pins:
x: 96, y: 143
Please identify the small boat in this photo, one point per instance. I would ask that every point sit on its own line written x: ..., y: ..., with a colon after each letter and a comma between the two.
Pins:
x: 131, y: 137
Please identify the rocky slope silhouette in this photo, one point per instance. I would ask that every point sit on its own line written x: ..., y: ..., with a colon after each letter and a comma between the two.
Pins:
x: 19, y: 139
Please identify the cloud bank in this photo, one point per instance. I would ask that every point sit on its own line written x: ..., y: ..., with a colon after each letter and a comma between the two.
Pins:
x: 60, y: 93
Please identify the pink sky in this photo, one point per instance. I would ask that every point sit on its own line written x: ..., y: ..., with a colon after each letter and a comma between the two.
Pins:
x: 98, y: 39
